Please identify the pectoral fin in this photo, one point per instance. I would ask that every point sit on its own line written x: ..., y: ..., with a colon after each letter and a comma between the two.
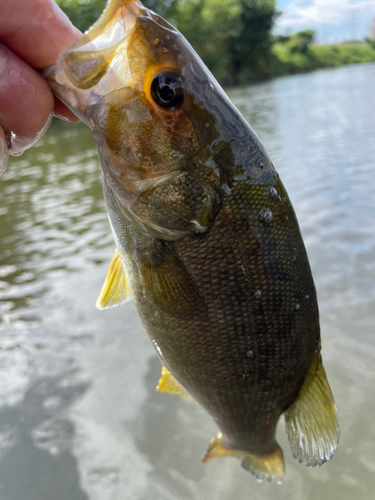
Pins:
x: 115, y: 290
x: 311, y: 421
x: 170, y: 285
x: 268, y: 467
x: 169, y: 384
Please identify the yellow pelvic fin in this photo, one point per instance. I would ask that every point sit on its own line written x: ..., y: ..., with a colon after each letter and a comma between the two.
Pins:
x: 168, y: 383
x: 115, y: 290
x: 268, y: 467
x: 311, y: 421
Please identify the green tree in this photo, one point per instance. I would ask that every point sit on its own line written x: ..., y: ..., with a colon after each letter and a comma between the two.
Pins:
x: 249, y: 48
x: 207, y: 25
x: 301, y: 41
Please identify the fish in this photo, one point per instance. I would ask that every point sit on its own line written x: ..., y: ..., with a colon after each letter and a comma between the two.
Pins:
x: 208, y: 245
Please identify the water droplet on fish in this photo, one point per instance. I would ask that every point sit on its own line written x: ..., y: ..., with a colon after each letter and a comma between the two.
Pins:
x: 206, y: 125
x: 258, y: 293
x: 259, y: 480
x: 298, y: 306
x: 307, y: 296
x: 294, y: 258
x: 210, y: 86
x: 272, y: 193
x: 157, y: 348
x: 261, y: 165
x: 286, y: 217
x: 265, y: 216
x: 250, y: 354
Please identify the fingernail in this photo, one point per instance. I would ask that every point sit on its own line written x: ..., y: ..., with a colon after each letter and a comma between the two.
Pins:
x: 19, y: 144
x: 4, y: 153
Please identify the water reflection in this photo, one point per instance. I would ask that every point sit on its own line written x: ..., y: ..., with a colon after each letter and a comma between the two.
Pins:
x: 79, y: 417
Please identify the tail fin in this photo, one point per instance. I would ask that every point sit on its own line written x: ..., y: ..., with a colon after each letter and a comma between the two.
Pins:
x: 265, y: 467
x: 311, y: 421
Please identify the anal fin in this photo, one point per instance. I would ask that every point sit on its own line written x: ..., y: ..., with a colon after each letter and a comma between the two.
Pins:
x: 311, y: 421
x: 115, y: 290
x: 269, y: 467
x: 169, y: 384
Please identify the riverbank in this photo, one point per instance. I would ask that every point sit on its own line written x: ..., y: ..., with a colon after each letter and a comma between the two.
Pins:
x: 288, y: 61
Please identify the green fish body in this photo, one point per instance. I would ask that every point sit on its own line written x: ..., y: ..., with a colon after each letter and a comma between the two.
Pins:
x: 208, y: 244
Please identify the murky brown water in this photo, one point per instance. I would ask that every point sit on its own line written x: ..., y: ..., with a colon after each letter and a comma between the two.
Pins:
x: 79, y: 417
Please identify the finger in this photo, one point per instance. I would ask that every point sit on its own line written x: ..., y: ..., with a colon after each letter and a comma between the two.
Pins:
x: 36, y: 30
x: 4, y: 153
x: 26, y: 102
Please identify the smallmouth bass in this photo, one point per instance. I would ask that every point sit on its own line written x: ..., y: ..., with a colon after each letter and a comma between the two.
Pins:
x: 208, y: 244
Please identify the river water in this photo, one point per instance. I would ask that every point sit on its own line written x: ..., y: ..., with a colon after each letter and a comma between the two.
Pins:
x: 79, y: 416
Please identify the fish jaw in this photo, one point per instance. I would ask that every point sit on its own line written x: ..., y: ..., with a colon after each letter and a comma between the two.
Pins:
x: 83, y: 75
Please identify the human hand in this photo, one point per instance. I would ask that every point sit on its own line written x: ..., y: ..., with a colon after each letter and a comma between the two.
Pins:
x: 32, y: 34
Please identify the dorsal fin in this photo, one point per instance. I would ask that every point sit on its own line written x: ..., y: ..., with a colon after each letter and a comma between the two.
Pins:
x: 168, y: 383
x: 311, y: 421
x: 115, y: 290
x: 269, y: 467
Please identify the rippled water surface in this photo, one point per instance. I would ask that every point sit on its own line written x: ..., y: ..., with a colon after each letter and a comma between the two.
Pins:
x: 79, y: 416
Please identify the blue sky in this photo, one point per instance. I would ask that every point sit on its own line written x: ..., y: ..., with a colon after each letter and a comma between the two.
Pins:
x: 333, y: 20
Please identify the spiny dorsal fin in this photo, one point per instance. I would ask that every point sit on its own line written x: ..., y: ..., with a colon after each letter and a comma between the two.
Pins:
x: 170, y: 285
x: 169, y: 384
x: 311, y: 421
x: 268, y: 467
x: 115, y: 290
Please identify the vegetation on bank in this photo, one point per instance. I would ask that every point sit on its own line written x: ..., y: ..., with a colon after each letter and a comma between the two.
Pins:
x: 234, y: 38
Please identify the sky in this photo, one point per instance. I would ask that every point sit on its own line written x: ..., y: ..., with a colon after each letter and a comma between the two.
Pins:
x: 333, y: 20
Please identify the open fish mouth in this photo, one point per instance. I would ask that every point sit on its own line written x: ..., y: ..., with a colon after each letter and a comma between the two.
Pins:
x: 98, y: 64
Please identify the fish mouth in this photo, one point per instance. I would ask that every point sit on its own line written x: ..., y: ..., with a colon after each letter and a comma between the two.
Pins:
x: 97, y: 65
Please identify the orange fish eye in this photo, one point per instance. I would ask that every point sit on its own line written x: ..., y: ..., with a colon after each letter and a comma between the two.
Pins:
x: 165, y: 87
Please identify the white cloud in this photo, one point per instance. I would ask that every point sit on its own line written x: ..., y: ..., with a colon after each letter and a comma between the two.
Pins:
x: 331, y: 12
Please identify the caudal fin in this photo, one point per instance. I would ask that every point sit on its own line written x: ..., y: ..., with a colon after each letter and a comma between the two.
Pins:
x: 268, y: 467
x: 311, y: 421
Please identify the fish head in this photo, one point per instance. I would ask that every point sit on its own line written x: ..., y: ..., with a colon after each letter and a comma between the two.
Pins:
x: 161, y: 122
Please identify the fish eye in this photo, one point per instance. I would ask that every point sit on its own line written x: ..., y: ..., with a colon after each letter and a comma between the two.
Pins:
x: 167, y: 90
